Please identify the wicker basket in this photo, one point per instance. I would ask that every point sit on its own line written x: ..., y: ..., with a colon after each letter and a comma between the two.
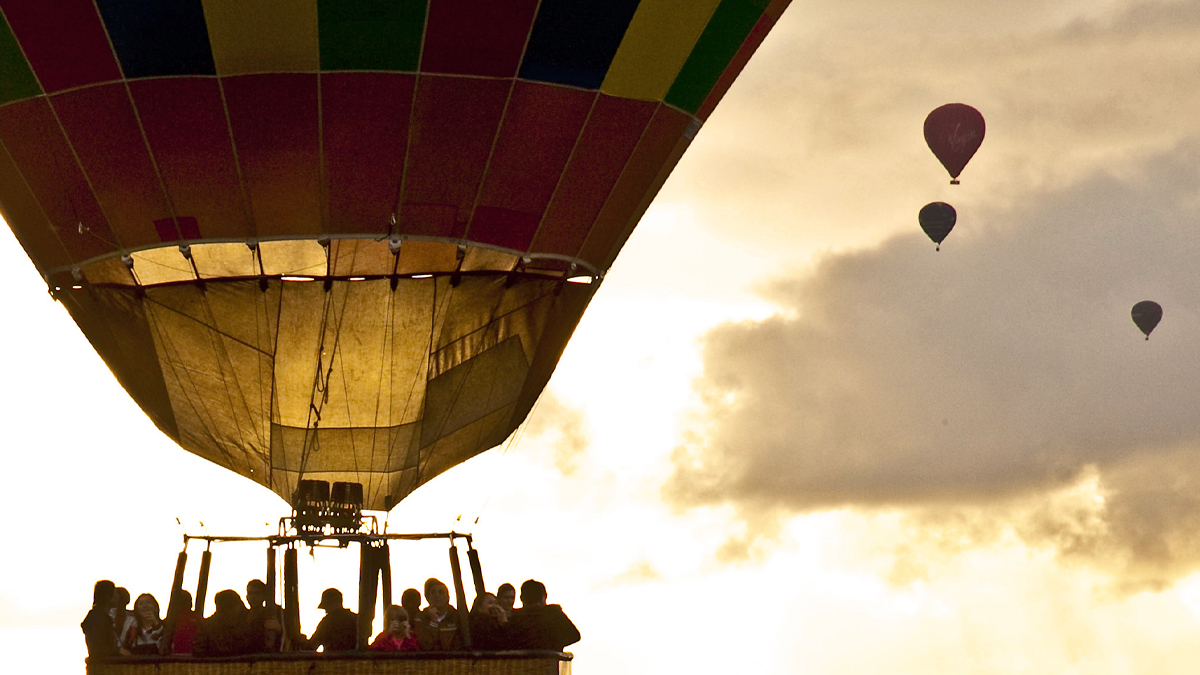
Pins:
x: 427, y: 663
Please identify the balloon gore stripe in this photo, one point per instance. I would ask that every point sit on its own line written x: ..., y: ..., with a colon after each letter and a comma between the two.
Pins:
x: 155, y: 38
x: 573, y: 41
x: 18, y: 81
x: 477, y: 37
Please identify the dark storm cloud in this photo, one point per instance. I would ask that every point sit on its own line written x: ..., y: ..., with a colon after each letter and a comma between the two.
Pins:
x: 999, y: 369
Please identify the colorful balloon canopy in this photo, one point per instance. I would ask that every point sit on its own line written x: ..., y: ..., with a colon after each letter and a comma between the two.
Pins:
x: 341, y: 239
x: 954, y: 132
x: 937, y: 219
x: 1146, y: 315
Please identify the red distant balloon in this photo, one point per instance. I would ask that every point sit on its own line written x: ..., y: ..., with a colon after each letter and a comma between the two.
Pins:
x: 954, y: 132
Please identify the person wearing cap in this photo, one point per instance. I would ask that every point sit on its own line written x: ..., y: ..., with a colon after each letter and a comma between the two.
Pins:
x: 338, y: 631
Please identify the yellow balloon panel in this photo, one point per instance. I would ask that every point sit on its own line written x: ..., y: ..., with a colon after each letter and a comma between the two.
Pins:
x: 264, y: 36
x: 659, y: 40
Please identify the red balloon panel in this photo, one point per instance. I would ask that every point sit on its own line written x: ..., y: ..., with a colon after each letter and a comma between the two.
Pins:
x: 455, y: 122
x: 365, y: 122
x: 185, y: 124
x: 105, y: 135
x: 608, y: 139
x: 26, y: 218
x: 274, y: 123
x: 476, y: 37
x: 647, y: 168
x: 36, y: 142
x: 541, y: 126
x: 64, y: 41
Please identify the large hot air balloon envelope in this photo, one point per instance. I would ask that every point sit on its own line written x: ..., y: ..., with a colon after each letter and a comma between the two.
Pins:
x: 1146, y: 315
x: 937, y: 219
x: 337, y: 239
x: 954, y: 132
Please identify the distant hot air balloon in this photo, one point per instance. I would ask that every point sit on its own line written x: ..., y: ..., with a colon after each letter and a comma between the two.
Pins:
x: 954, y: 132
x: 1147, y: 314
x: 345, y: 241
x: 937, y: 219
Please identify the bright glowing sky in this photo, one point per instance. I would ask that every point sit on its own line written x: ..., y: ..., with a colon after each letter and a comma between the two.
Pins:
x: 788, y: 436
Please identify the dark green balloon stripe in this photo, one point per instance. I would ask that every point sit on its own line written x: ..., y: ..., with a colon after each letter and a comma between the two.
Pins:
x: 719, y: 43
x: 371, y: 34
x: 16, y: 77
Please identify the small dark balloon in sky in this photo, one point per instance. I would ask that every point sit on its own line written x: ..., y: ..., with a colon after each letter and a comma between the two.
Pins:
x: 1146, y: 315
x: 937, y: 219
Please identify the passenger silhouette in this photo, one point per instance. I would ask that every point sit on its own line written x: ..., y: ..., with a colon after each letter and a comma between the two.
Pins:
x: 97, y: 626
x: 437, y: 628
x: 397, y: 637
x: 537, y: 625
x: 223, y: 633
x: 338, y: 631
x: 489, y: 624
x: 150, y: 634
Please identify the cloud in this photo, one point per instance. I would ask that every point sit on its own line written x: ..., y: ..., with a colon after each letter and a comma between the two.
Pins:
x: 566, y: 425
x: 998, y: 371
x: 824, y: 125
x: 640, y: 572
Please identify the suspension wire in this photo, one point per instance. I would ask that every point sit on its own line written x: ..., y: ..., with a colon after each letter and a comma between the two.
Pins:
x: 433, y: 324
x: 391, y: 343
x: 222, y: 358
x: 182, y: 374
x: 266, y: 392
x: 309, y: 427
x: 388, y: 333
x: 337, y: 343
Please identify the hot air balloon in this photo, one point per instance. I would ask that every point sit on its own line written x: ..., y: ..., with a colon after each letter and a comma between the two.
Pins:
x: 1146, y: 315
x: 338, y: 247
x: 954, y: 132
x: 345, y: 241
x: 937, y: 219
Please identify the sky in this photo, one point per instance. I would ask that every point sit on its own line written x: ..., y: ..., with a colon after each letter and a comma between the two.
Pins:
x: 788, y: 436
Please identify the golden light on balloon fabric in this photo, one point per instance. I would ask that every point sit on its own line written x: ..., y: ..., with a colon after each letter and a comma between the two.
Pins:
x: 453, y: 179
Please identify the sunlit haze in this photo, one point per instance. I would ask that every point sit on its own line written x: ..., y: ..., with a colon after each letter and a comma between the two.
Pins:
x: 788, y: 436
